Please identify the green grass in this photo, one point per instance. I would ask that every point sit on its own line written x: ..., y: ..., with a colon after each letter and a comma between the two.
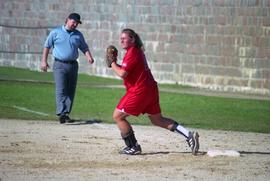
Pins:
x: 218, y: 113
x: 18, y: 74
x: 98, y: 103
x: 89, y: 103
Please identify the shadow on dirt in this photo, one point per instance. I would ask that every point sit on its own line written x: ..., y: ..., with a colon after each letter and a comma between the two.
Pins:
x: 201, y: 153
x: 254, y: 152
x: 84, y: 122
x: 171, y: 152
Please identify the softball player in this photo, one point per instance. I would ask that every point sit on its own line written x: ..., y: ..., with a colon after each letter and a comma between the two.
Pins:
x: 141, y: 96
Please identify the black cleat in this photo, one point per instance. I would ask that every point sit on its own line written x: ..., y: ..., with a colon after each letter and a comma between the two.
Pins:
x: 193, y: 142
x: 62, y: 119
x: 68, y: 120
x: 65, y: 119
x: 135, y: 150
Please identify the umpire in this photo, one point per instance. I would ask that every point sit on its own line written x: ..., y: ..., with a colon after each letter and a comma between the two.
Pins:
x: 65, y: 41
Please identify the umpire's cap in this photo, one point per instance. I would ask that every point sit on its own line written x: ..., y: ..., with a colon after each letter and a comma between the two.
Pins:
x: 76, y: 17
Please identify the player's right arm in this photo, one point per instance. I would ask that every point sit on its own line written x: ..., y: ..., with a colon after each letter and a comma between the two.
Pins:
x: 119, y: 70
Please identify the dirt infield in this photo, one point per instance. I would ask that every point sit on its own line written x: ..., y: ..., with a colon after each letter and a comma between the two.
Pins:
x: 44, y: 150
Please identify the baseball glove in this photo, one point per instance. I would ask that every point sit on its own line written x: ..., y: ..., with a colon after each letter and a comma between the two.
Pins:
x: 111, y: 55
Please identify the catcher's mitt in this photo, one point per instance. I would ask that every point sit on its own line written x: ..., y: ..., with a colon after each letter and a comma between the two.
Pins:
x: 111, y: 55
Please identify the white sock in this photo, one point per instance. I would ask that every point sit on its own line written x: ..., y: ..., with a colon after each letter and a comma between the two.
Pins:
x: 182, y: 130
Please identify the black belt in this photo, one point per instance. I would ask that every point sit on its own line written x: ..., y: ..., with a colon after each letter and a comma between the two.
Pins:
x: 66, y: 61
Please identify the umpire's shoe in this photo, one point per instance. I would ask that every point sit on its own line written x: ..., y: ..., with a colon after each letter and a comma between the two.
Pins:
x: 193, y: 142
x: 65, y: 119
x: 135, y: 150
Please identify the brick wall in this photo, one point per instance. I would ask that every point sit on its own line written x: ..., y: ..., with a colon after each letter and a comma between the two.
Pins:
x: 222, y: 45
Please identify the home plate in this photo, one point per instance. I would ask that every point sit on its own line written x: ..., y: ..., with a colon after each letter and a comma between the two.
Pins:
x: 214, y: 153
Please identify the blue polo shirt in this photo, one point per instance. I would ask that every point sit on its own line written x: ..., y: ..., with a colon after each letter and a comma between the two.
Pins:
x: 66, y: 44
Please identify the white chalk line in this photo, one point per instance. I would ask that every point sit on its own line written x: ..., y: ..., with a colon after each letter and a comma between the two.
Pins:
x: 31, y: 111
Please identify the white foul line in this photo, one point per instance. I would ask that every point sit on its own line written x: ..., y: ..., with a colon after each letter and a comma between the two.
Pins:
x: 28, y: 110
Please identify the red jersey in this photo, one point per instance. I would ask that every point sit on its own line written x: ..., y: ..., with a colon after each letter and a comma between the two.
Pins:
x: 142, y: 91
x: 139, y: 76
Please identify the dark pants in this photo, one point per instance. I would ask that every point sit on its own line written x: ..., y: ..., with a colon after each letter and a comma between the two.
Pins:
x: 65, y: 76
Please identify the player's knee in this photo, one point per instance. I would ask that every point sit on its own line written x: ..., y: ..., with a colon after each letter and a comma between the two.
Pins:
x: 116, y: 116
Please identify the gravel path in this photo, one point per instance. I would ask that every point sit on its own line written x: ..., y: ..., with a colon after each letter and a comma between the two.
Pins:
x: 46, y: 150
